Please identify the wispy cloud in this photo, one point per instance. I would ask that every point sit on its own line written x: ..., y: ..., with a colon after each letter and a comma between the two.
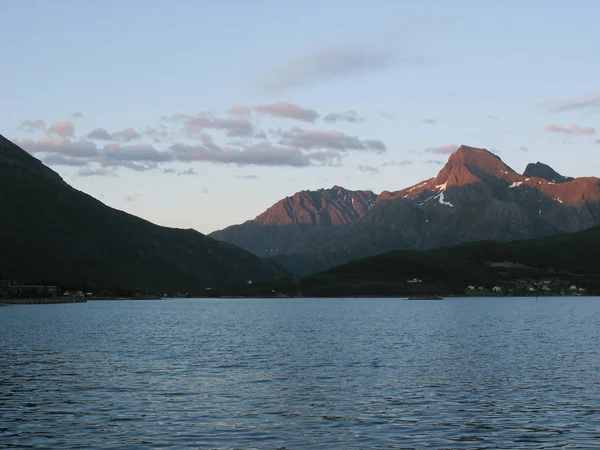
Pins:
x: 397, y: 163
x: 590, y: 101
x: 386, y: 115
x: 131, y: 198
x: 570, y: 130
x: 331, y: 139
x: 324, y: 66
x: 125, y: 135
x: 246, y: 177
x: 262, y: 154
x: 240, y: 111
x: 434, y: 161
x: 77, y: 115
x: 59, y: 145
x: 491, y: 117
x: 524, y: 149
x: 346, y: 116
x: 188, y: 172
x: 443, y: 149
x: 369, y: 169
x: 232, y: 127
x: 289, y: 110
x: 63, y: 129
x: 429, y: 121
x: 32, y: 125
x: 60, y: 160
x: 96, y: 172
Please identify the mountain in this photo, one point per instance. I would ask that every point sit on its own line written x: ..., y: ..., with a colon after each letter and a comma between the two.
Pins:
x: 541, y: 170
x: 301, y: 223
x: 475, y: 196
x: 52, y: 233
x: 549, y: 266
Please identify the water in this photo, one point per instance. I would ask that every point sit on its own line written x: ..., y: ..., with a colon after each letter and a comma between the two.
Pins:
x: 307, y: 373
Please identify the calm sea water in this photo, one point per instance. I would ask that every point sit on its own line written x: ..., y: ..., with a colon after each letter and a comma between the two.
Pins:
x: 307, y: 373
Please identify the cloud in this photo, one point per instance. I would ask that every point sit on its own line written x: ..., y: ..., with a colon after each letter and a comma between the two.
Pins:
x: 233, y: 127
x: 311, y: 139
x: 370, y: 169
x: 246, y: 177
x: 187, y: 172
x: 434, y: 161
x: 62, y: 129
x: 320, y: 67
x: 429, y: 121
x: 443, y: 149
x: 386, y: 115
x: 131, y: 198
x: 32, y: 125
x: 590, y: 101
x: 63, y: 146
x: 397, y: 163
x: 125, y: 135
x: 347, y: 116
x: 96, y: 172
x: 263, y: 154
x: 174, y: 117
x: 77, y: 115
x: 134, y: 153
x: 239, y: 111
x: 99, y: 134
x: 524, y: 149
x: 168, y: 171
x: 597, y: 141
x: 289, y: 110
x: 60, y: 160
x: 570, y: 130
x: 491, y: 117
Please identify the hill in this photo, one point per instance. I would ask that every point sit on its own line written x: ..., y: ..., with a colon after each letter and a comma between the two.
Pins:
x: 556, y: 262
x: 52, y: 233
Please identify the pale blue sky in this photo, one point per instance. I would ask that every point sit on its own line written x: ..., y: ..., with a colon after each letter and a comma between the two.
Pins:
x: 407, y: 80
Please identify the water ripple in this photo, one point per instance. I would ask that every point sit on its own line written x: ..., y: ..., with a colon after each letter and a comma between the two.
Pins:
x: 290, y: 374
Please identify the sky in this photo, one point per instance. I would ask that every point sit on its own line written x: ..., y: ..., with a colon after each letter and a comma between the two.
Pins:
x: 199, y: 114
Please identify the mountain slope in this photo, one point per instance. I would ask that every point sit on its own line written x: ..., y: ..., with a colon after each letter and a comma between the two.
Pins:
x: 50, y: 232
x: 474, y: 197
x: 303, y: 222
x: 541, y: 170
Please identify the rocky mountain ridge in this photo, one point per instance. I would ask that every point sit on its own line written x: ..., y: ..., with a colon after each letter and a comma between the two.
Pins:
x: 475, y: 196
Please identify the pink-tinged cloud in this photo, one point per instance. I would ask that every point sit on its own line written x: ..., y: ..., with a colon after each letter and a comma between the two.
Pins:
x: 573, y: 130
x: 31, y: 125
x: 126, y: 135
x: 233, y: 127
x: 289, y: 110
x: 331, y: 139
x: 63, y: 129
x: 240, y: 111
x: 59, y: 145
x: 443, y: 149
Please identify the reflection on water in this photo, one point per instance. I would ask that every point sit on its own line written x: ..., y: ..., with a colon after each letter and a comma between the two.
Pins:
x: 310, y: 373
